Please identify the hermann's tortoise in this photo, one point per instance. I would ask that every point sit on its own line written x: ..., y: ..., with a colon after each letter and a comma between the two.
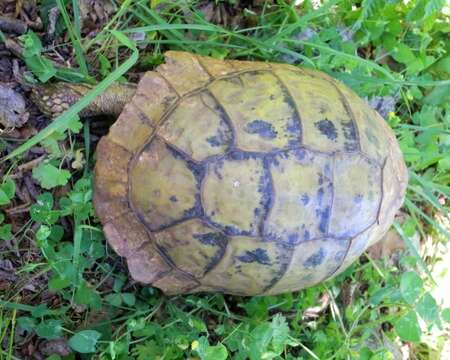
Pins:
x: 240, y: 177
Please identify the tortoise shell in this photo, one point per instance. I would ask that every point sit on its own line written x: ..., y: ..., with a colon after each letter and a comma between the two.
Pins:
x: 244, y: 177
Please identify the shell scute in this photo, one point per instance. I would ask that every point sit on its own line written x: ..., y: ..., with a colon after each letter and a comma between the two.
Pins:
x: 111, y: 180
x: 192, y: 246
x: 374, y: 134
x: 163, y: 189
x: 183, y: 71
x: 327, y: 123
x: 257, y: 104
x: 302, y: 185
x: 234, y: 194
x: 249, y: 266
x: 312, y: 262
x: 147, y: 265
x: 198, y: 127
x: 214, y: 67
x: 126, y: 234
x: 154, y: 97
x: 176, y: 282
x: 357, y: 194
x: 132, y: 129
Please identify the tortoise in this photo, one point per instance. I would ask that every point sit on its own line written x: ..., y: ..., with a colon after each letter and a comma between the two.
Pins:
x: 246, y: 178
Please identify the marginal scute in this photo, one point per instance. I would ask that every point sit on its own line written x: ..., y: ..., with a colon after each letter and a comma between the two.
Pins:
x: 162, y: 187
x: 126, y: 234
x: 132, y: 129
x: 176, y: 282
x: 154, y: 97
x: 214, y: 67
x: 312, y: 262
x: 374, y: 136
x: 183, y: 71
x: 241, y: 65
x: 358, y: 245
x: 395, y: 178
x: 326, y: 122
x: 233, y: 194
x: 147, y: 266
x: 260, y: 109
x: 110, y: 180
x: 198, y: 127
x: 249, y: 266
x: 302, y: 196
x: 192, y: 246
x: 357, y: 194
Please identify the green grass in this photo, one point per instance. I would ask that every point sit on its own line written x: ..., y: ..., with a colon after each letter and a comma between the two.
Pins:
x: 370, y: 311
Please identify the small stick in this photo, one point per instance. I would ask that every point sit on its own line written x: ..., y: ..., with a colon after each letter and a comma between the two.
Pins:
x: 13, y: 46
x: 12, y: 25
x: 27, y: 166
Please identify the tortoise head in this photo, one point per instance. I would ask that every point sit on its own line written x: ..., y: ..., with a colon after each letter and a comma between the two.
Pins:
x: 54, y: 99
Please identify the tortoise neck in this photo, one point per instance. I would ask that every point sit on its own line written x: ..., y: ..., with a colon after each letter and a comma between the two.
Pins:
x: 112, y: 101
x: 55, y: 98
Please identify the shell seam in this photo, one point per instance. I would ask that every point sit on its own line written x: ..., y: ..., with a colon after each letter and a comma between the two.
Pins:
x: 292, y: 100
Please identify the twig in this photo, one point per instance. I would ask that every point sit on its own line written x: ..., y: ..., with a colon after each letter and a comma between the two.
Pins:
x: 19, y: 209
x: 13, y: 46
x: 27, y: 166
x: 11, y: 25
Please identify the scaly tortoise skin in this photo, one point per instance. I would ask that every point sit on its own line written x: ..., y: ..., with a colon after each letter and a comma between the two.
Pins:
x: 244, y: 177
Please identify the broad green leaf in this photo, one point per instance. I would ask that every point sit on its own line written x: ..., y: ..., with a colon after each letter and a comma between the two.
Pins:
x: 208, y: 352
x: 7, y: 191
x: 85, y: 341
x: 42, y: 211
x: 50, y: 176
x: 280, y: 333
x: 4, y: 199
x: 113, y: 299
x: 129, y: 299
x: 42, y: 67
x: 26, y: 323
x: 5, y: 232
x: 49, y: 329
x: 43, y: 233
x: 32, y: 44
x: 40, y: 311
x: 427, y: 309
x: 411, y: 286
x: 403, y: 54
x: 407, y: 327
x: 59, y: 283
x: 439, y: 95
x: 433, y: 6
x: 9, y: 187
x: 87, y: 296
x: 446, y: 315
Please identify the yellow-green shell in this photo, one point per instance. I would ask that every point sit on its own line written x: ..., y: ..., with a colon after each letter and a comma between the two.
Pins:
x: 244, y: 177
